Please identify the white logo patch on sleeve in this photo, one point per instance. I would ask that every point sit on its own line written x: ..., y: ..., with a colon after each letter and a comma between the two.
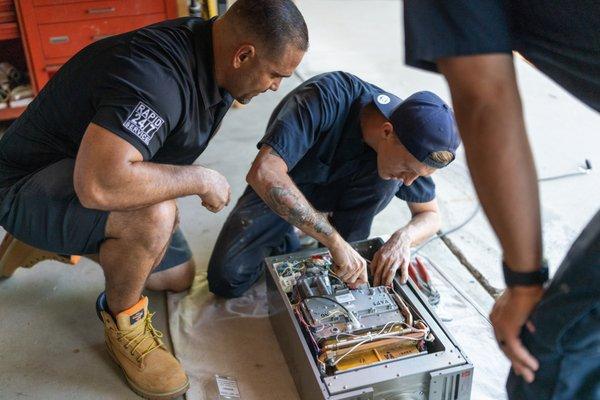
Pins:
x: 383, y: 99
x: 143, y: 122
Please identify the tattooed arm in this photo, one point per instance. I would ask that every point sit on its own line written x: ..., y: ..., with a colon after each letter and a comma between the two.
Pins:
x: 269, y: 178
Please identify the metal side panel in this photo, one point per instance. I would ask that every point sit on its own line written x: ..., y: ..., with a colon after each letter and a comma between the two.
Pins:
x: 291, y: 341
x: 451, y: 384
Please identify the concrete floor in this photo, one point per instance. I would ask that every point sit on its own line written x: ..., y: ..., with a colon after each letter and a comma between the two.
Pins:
x: 50, y: 340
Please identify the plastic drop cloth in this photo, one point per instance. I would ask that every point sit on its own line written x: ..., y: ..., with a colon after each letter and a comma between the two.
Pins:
x: 234, y: 337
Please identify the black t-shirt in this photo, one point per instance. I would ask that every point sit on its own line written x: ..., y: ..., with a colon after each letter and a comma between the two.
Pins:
x: 154, y: 87
x: 316, y: 131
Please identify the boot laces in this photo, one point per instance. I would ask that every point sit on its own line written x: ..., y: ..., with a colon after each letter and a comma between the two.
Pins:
x: 139, y: 335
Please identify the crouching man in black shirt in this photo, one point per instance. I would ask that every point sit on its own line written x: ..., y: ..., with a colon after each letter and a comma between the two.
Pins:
x: 94, y: 165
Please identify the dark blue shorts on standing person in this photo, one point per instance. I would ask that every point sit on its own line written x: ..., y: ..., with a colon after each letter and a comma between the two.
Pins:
x: 562, y: 39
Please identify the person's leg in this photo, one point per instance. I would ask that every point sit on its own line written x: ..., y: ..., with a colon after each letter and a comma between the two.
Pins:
x: 175, y: 272
x: 175, y: 279
x: 135, y: 243
x: 251, y: 233
x: 566, y: 339
x: 360, y: 199
x: 43, y: 210
x: 177, y: 269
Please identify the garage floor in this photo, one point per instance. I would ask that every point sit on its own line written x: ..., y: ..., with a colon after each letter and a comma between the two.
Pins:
x: 51, y: 341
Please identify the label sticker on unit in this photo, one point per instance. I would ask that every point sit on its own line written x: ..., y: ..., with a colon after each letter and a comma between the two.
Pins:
x: 227, y: 387
x: 345, y: 298
x: 143, y: 122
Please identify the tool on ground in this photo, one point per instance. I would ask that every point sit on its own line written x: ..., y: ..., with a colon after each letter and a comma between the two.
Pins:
x: 419, y: 274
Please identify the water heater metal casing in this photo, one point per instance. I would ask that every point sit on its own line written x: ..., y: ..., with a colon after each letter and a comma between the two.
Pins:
x: 442, y: 374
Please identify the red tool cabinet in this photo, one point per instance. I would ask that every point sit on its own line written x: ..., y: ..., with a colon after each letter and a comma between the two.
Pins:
x: 52, y: 31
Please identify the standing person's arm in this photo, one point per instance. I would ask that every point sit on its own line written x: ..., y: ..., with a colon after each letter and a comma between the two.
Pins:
x: 490, y: 118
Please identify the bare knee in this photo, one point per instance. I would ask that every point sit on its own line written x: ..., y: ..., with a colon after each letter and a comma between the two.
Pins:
x: 150, y: 227
x: 176, y: 279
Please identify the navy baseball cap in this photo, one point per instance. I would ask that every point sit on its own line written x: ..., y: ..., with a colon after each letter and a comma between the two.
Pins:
x: 423, y: 122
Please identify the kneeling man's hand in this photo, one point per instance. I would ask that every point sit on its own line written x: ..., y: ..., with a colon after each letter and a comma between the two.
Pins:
x: 216, y: 191
x: 393, y: 255
x: 350, y: 266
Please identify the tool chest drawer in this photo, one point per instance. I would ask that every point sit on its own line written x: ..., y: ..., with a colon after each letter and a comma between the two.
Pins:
x: 66, y: 39
x: 54, y: 30
x: 54, y: 2
x: 97, y: 10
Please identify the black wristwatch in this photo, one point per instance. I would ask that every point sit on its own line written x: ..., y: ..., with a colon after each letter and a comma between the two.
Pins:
x: 513, y: 278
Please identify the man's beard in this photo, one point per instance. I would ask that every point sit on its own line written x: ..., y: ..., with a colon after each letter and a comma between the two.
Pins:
x: 244, y: 100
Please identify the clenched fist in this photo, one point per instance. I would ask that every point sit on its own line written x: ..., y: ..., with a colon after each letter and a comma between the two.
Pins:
x: 216, y: 192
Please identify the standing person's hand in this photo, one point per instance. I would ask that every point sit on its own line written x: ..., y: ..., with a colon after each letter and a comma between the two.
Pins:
x: 510, y: 313
x: 351, y: 267
x: 393, y: 255
x: 216, y: 191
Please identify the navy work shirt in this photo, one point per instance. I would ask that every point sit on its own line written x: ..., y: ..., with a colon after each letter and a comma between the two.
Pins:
x: 153, y: 87
x: 562, y: 39
x: 316, y: 130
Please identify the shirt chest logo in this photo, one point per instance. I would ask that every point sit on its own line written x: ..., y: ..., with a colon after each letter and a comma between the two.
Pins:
x: 143, y: 122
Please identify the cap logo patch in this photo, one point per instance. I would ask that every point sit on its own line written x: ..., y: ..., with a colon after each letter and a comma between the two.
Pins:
x: 143, y: 122
x: 383, y: 99
x: 136, y: 317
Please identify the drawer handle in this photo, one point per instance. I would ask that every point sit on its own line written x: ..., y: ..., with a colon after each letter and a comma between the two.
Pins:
x: 103, y: 10
x: 99, y: 37
x: 59, y: 39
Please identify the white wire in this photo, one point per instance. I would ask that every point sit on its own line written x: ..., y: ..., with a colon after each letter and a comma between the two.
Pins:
x: 373, y: 338
x: 378, y: 335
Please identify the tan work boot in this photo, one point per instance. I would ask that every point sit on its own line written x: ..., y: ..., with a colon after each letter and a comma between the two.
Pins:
x: 15, y: 254
x: 150, y: 369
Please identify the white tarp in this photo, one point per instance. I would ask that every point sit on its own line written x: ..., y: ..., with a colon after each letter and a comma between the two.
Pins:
x: 234, y: 338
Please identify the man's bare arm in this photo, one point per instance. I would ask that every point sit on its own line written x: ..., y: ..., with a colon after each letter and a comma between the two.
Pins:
x: 110, y: 174
x: 395, y: 254
x: 424, y: 223
x: 269, y: 178
x: 490, y: 119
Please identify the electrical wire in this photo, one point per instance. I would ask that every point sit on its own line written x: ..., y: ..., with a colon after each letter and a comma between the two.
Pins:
x: 343, y: 307
x: 440, y: 235
x: 581, y: 171
x: 425, y: 332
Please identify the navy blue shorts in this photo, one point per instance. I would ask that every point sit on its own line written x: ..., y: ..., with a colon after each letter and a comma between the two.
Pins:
x: 42, y: 210
x: 561, y: 38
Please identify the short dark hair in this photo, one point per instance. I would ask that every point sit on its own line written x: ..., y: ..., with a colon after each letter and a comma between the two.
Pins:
x: 276, y: 23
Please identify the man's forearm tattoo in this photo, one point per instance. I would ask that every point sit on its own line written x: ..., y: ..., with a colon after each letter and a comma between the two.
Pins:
x: 294, y: 210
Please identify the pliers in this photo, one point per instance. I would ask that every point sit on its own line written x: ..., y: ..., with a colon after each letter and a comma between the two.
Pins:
x: 418, y: 273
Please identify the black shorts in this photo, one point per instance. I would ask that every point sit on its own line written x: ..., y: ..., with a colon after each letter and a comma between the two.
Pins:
x: 561, y: 38
x: 42, y: 210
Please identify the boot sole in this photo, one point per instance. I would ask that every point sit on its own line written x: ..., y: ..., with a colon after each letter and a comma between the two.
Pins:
x: 15, y: 254
x: 147, y: 395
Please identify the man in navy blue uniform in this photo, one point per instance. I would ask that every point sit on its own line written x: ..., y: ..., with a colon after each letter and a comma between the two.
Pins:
x: 95, y: 164
x: 336, y: 151
x: 551, y: 336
